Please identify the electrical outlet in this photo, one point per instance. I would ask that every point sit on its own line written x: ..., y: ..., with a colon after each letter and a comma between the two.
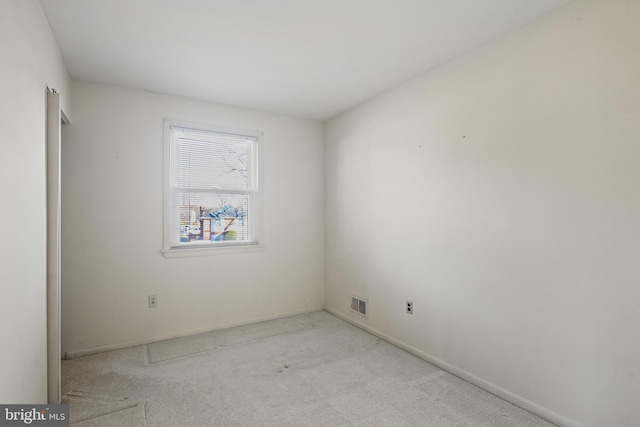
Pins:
x: 153, y: 301
x: 409, y: 307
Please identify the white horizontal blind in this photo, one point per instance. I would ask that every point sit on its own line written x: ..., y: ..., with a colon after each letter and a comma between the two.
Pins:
x: 213, y: 188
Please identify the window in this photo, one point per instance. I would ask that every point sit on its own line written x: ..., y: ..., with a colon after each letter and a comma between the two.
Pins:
x: 211, y: 189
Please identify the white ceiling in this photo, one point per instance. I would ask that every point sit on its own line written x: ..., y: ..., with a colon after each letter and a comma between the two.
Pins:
x: 307, y: 58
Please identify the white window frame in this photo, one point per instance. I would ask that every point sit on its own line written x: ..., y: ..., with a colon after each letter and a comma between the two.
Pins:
x: 172, y: 250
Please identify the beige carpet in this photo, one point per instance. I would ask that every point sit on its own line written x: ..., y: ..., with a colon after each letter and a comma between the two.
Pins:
x: 308, y: 370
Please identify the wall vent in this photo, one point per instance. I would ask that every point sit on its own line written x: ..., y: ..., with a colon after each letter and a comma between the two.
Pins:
x: 359, y: 305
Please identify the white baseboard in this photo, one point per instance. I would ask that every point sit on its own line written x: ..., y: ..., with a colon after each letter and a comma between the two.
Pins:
x: 461, y: 373
x: 133, y: 343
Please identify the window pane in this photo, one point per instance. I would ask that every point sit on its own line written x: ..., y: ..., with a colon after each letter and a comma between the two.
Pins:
x: 209, y: 164
x: 213, y: 217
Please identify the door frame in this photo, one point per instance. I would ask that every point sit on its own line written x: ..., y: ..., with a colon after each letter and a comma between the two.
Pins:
x: 55, y: 119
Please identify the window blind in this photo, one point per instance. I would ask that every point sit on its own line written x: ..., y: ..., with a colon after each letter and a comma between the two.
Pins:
x: 212, y: 187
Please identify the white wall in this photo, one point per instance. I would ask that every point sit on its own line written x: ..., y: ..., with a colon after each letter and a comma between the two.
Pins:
x: 30, y: 61
x: 500, y: 193
x: 112, y: 224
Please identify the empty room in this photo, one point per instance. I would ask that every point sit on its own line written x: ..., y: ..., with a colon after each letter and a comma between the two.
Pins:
x: 320, y: 213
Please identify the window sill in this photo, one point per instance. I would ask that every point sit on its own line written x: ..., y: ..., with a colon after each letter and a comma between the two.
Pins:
x: 210, y: 250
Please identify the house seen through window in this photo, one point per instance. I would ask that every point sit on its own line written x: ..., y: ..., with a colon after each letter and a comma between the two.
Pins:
x: 212, y: 187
